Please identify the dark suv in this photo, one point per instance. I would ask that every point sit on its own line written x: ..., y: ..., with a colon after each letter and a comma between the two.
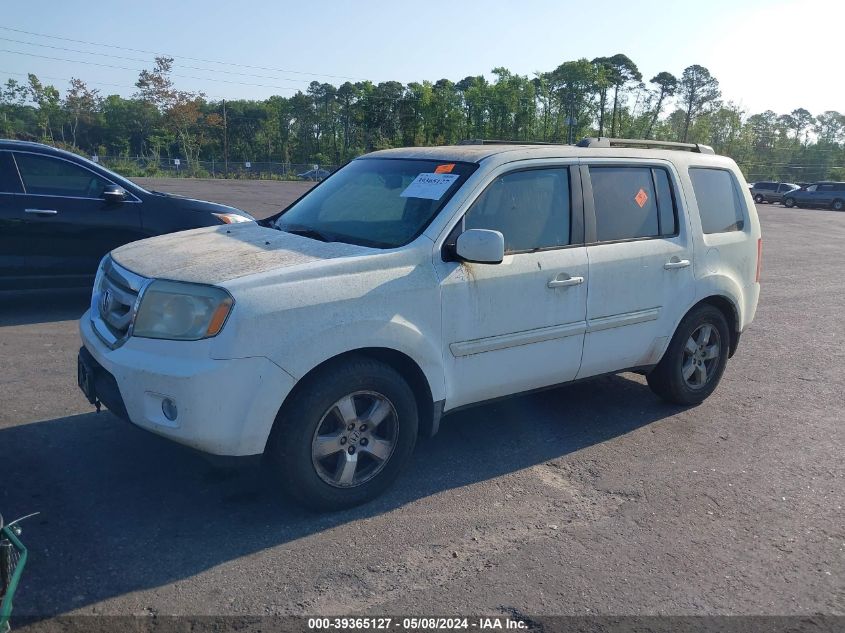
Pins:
x: 767, y: 191
x: 61, y: 213
x: 820, y: 194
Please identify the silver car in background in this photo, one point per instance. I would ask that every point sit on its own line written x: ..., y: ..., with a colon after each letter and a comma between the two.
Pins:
x: 767, y: 191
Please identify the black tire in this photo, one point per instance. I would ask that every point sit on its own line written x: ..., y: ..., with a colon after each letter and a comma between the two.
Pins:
x: 667, y: 379
x: 837, y: 205
x: 759, y: 199
x: 301, y: 420
x: 789, y: 202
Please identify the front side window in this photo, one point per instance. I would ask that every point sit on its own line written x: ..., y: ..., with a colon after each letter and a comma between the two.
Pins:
x: 632, y: 202
x: 812, y: 187
x: 43, y: 175
x: 379, y: 202
x: 530, y: 208
x: 719, y: 203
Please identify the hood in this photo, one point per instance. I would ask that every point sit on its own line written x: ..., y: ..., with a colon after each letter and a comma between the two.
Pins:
x: 213, y: 255
x: 192, y: 204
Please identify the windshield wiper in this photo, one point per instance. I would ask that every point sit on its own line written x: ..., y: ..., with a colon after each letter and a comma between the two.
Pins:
x: 305, y: 231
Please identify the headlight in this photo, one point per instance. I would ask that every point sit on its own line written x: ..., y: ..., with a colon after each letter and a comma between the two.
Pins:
x: 182, y: 311
x: 231, y: 218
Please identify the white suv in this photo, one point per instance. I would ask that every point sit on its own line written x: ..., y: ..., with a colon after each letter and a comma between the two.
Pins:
x: 416, y: 281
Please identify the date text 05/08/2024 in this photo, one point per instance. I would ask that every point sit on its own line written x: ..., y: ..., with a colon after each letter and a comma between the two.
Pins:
x: 415, y: 624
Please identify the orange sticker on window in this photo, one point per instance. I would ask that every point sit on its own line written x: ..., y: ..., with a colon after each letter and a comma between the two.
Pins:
x: 444, y: 169
x: 641, y: 198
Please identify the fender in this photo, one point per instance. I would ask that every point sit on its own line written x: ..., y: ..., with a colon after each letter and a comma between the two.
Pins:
x: 720, y: 285
x: 397, y: 334
x: 723, y: 287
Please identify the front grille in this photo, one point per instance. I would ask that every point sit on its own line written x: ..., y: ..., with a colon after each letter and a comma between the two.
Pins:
x: 115, y: 301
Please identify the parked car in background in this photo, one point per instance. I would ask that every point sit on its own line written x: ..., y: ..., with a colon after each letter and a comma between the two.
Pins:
x: 820, y: 194
x: 315, y: 174
x: 60, y: 213
x: 417, y: 281
x: 768, y: 191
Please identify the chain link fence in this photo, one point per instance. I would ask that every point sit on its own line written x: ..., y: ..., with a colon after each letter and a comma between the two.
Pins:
x: 139, y: 166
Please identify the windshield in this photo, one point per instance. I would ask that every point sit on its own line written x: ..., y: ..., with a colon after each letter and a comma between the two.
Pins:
x: 380, y: 202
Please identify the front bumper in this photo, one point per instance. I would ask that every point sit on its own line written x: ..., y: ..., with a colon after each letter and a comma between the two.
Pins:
x: 225, y: 407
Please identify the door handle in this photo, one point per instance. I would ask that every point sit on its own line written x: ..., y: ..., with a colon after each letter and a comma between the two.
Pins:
x: 563, y: 280
x: 676, y: 263
x: 41, y: 211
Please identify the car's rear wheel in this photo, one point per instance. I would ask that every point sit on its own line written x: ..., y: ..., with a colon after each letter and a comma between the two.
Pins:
x: 789, y: 202
x: 696, y: 357
x: 346, y: 434
x: 759, y: 199
x: 837, y: 205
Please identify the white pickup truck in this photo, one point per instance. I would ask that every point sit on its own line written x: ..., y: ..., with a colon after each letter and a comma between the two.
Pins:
x: 415, y: 281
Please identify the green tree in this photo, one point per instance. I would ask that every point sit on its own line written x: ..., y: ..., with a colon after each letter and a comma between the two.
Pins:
x: 622, y: 72
x: 666, y: 84
x: 82, y: 104
x: 47, y: 99
x: 697, y: 90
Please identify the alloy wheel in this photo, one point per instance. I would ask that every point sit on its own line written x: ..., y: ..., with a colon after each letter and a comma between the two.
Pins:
x: 701, y: 356
x: 355, y: 439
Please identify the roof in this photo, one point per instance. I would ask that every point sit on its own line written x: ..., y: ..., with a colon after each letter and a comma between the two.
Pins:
x: 6, y: 143
x: 465, y: 153
x: 29, y: 144
x: 508, y: 153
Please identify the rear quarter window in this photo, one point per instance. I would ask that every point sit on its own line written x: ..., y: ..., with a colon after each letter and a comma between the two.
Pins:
x: 10, y: 182
x: 719, y: 204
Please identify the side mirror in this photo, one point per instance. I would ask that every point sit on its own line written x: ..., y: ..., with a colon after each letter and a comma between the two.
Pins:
x: 480, y: 246
x: 114, y: 194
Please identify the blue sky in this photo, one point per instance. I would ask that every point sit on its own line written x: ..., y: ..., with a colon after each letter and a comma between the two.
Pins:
x: 754, y: 47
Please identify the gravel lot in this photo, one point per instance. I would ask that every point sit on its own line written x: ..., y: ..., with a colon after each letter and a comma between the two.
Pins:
x: 258, y: 197
x: 594, y: 498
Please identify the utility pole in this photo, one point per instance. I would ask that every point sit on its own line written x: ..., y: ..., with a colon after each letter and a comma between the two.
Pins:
x: 225, y: 141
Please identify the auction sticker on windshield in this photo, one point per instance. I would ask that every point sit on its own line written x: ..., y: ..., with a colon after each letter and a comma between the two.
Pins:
x: 429, y: 186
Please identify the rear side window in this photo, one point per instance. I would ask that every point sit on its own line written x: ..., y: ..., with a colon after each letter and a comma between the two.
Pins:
x: 44, y: 175
x: 10, y: 182
x: 719, y: 203
x: 632, y: 202
x: 530, y: 208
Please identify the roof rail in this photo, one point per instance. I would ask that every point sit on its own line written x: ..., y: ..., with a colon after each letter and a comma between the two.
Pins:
x: 603, y: 141
x: 490, y: 141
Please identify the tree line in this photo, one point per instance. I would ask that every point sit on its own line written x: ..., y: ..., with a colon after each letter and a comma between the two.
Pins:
x: 328, y: 124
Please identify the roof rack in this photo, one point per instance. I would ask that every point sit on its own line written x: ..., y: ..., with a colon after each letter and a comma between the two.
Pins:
x: 603, y: 141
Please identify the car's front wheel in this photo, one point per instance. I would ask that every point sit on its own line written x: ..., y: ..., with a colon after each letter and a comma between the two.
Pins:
x: 759, y: 199
x: 696, y: 357
x: 345, y: 435
x: 789, y: 202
